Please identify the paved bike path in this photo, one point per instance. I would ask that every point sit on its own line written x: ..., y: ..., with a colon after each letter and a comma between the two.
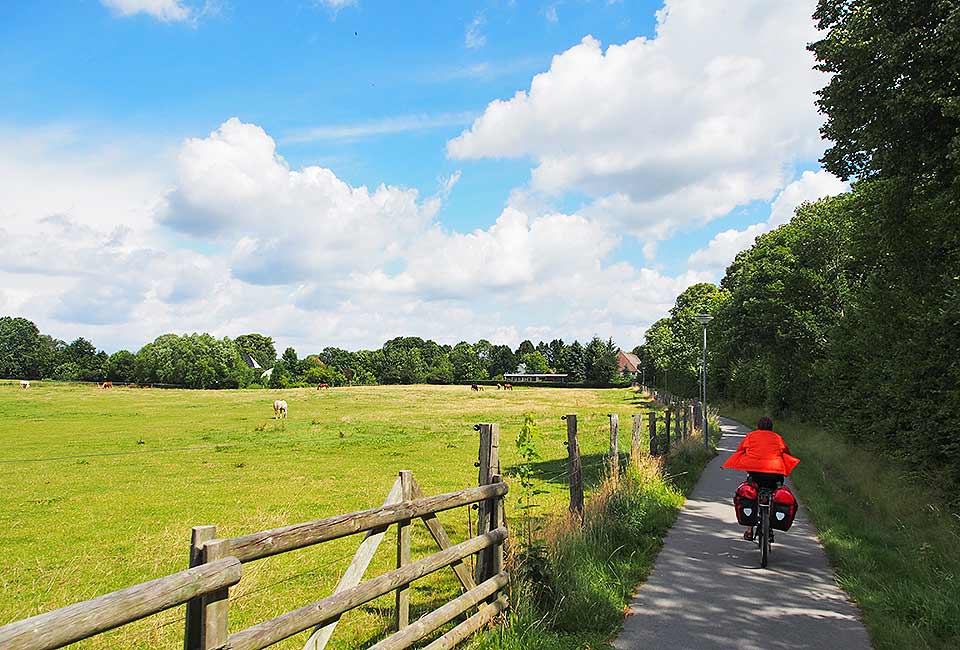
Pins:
x: 707, y: 589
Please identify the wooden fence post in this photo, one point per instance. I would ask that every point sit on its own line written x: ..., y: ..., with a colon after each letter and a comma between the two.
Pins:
x: 635, y: 439
x: 614, y: 446
x: 575, y: 479
x: 216, y: 603
x: 666, y: 445
x: 652, y: 430
x: 495, y: 553
x: 489, y: 464
x: 403, y: 552
x: 193, y: 622
x: 677, y: 410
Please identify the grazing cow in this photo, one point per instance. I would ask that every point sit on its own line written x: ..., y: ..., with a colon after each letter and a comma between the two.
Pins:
x: 508, y: 387
x: 279, y: 408
x: 24, y: 384
x: 323, y: 386
x: 106, y: 384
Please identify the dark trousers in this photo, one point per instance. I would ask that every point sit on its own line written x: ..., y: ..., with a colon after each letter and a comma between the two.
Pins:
x: 763, y: 479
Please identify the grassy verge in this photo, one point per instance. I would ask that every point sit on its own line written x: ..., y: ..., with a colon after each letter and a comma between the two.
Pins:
x: 892, y: 542
x: 572, y: 583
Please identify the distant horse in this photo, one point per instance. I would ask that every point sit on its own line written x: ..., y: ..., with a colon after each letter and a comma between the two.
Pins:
x: 24, y: 384
x: 279, y: 408
x: 499, y: 386
x: 323, y: 386
x: 106, y: 384
x: 508, y: 387
x: 476, y: 387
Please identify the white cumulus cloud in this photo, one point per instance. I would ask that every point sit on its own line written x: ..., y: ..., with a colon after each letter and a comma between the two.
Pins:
x: 673, y: 130
x: 721, y: 250
x: 286, y: 225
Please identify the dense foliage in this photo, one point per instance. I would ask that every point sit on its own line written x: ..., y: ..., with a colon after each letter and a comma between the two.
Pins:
x: 202, y: 361
x: 850, y: 313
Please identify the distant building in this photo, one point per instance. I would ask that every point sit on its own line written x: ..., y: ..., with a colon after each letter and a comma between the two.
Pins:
x: 250, y: 361
x: 533, y: 377
x: 628, y: 362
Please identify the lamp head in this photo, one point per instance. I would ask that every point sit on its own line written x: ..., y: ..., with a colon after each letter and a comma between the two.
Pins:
x: 703, y: 319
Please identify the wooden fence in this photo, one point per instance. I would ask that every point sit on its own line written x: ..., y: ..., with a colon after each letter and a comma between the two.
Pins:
x: 675, y: 422
x: 215, y: 565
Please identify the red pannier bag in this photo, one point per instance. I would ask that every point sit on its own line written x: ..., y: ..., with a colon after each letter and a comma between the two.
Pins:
x: 784, y: 509
x: 745, y: 503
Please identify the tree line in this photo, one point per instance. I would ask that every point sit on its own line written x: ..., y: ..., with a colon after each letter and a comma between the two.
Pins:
x: 850, y: 313
x: 203, y: 361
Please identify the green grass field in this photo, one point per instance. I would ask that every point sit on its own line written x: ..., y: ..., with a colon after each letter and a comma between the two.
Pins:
x: 99, y: 488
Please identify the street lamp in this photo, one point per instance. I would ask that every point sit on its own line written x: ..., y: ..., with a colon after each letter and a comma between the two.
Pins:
x: 704, y: 319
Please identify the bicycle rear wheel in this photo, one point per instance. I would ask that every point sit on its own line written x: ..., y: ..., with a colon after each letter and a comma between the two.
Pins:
x: 764, y: 537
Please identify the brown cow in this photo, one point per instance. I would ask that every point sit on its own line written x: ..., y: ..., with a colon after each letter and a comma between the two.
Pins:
x: 508, y: 387
x: 106, y: 384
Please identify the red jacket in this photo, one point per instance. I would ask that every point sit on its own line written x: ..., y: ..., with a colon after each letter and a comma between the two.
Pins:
x: 762, y: 451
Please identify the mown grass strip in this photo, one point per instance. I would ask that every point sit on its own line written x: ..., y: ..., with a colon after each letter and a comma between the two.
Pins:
x: 892, y: 542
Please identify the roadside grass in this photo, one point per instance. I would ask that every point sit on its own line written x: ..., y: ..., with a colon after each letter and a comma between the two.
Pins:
x: 892, y: 541
x: 572, y: 582
x: 99, y: 488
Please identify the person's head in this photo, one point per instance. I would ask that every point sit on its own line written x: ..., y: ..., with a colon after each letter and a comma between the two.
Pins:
x: 765, y: 424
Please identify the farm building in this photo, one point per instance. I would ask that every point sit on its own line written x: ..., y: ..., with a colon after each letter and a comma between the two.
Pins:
x: 520, y: 377
x: 250, y: 361
x: 628, y: 362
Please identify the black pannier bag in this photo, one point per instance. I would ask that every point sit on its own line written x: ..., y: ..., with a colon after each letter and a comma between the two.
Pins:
x: 784, y: 509
x: 745, y: 503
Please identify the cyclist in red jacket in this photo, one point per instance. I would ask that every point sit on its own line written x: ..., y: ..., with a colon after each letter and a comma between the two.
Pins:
x: 765, y: 457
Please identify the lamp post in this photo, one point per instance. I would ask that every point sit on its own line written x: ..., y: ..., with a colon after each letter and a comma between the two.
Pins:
x: 704, y: 319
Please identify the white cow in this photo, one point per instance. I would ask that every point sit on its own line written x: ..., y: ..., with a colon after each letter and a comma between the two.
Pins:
x: 280, y: 408
x: 24, y: 384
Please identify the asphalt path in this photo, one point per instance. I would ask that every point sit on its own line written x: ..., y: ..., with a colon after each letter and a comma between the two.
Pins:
x: 707, y: 589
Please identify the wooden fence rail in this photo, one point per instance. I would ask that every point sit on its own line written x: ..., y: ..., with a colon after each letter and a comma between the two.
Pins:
x: 280, y: 540
x: 82, y: 620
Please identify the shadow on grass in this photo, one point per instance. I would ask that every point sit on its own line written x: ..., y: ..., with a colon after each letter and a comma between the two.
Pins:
x: 593, y: 467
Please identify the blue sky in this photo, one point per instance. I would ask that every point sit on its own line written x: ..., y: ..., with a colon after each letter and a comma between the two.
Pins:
x: 232, y: 152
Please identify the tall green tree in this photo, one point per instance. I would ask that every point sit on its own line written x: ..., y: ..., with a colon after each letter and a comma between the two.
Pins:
x: 22, y: 352
x: 526, y: 347
x: 575, y: 364
x: 600, y: 358
x: 502, y: 361
x: 121, y: 366
x: 893, y: 114
x: 535, y: 362
x: 465, y: 362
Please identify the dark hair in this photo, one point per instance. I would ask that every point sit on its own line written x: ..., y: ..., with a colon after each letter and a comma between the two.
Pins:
x: 765, y: 424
